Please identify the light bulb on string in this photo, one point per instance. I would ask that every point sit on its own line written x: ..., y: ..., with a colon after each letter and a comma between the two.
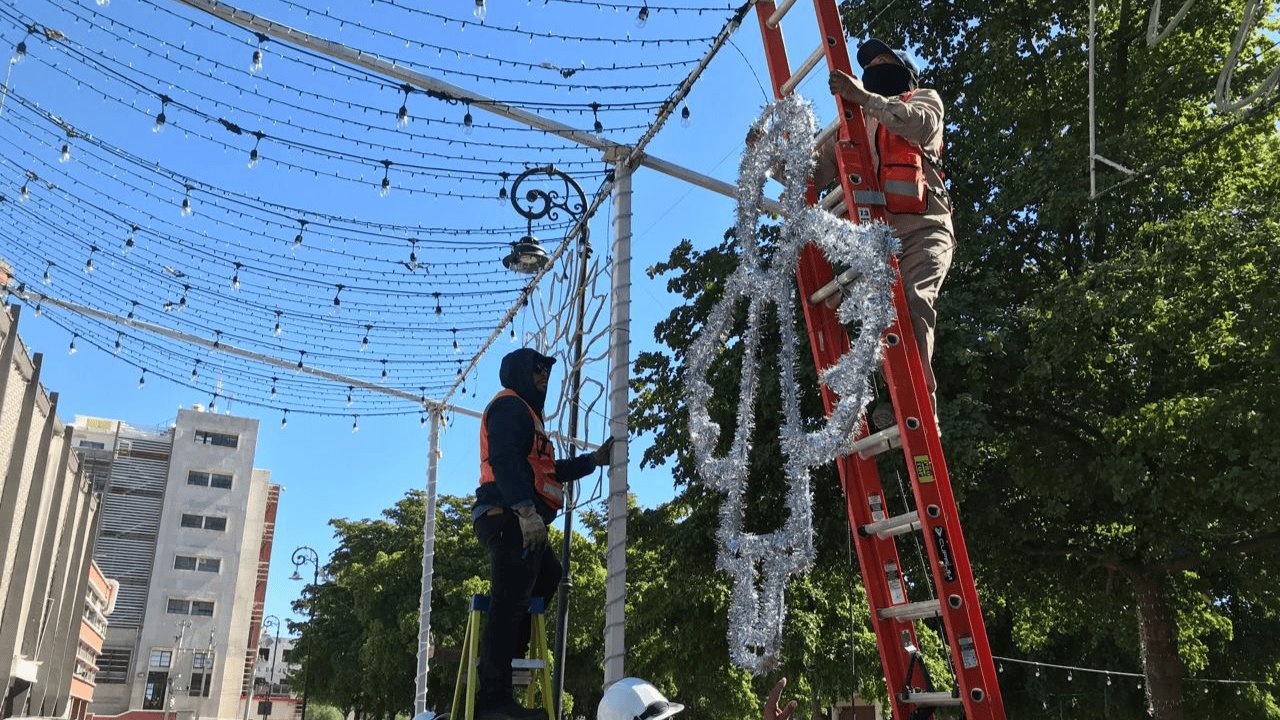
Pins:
x: 235, y: 278
x: 436, y: 295
x: 467, y: 121
x: 103, y: 3
x: 39, y: 310
x: 195, y: 371
x: 1108, y: 679
x: 119, y: 344
x: 297, y: 239
x: 25, y: 193
x: 182, y: 301
x: 273, y: 388
x: 253, y: 153
x: 161, y: 118
x: 402, y: 116
x: 186, y: 201
x: 502, y: 192
x: 1037, y: 671
x: 1000, y: 668
x: 19, y: 53
x: 255, y: 62
x: 355, y: 424
x: 1069, y: 676
x: 384, y: 369
x: 413, y: 254
x: 385, y: 188
x: 213, y: 403
x: 642, y: 17
x: 337, y: 300
x: 595, y: 111
x: 284, y: 420
x: 364, y: 342
x: 142, y: 380
x: 65, y: 155
x: 480, y: 10
x: 71, y: 349
x: 133, y: 307
x: 513, y: 333
x: 48, y: 273
x: 301, y: 354
x: 349, y: 392
x: 128, y: 240
x: 422, y: 422
x: 685, y: 115
x: 456, y: 347
x: 278, y: 328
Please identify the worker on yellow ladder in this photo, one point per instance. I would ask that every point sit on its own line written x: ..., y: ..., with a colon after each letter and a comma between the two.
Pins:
x: 904, y: 124
x: 521, y: 488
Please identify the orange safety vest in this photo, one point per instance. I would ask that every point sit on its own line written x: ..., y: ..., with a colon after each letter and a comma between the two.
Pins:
x: 542, y: 457
x: 902, y: 172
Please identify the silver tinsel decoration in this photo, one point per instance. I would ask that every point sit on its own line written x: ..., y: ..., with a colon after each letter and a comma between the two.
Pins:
x: 762, y: 564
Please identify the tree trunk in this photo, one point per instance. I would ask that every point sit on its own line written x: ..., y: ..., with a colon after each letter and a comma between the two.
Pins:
x: 1158, y: 632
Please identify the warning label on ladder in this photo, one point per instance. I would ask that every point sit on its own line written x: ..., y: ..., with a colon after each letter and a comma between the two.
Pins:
x: 924, y: 468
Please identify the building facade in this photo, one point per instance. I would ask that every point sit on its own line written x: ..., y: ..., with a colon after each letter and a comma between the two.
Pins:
x: 187, y: 525
x: 48, y: 515
x: 273, y: 696
x: 99, y: 603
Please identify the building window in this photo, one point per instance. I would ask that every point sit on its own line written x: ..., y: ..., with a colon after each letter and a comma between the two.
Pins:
x: 206, y: 437
x: 202, y: 564
x: 93, y: 445
x: 162, y: 658
x: 153, y: 693
x: 113, y: 665
x: 206, y: 522
x: 201, y: 675
x: 286, y: 655
x: 209, y: 479
x: 181, y: 606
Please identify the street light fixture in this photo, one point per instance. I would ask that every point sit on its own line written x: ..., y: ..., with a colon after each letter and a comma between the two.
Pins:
x: 528, y: 253
x: 272, y: 621
x: 302, y: 556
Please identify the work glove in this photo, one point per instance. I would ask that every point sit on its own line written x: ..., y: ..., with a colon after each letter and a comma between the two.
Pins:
x: 532, y: 528
x: 603, y: 455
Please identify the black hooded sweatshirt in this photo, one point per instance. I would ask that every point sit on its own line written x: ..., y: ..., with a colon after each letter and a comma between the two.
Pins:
x: 511, y: 439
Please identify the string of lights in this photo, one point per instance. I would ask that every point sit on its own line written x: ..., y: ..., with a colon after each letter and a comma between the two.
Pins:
x: 532, y: 34
x: 653, y: 7
x: 1070, y: 671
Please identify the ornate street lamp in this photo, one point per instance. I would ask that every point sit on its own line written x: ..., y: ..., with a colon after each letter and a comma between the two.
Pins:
x: 302, y: 556
x: 272, y: 621
x: 536, y: 204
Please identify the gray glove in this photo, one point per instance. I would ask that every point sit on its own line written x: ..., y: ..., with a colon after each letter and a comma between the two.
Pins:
x: 532, y: 527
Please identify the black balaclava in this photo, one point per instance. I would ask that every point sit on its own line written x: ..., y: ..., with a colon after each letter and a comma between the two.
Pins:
x: 888, y: 79
x: 516, y: 374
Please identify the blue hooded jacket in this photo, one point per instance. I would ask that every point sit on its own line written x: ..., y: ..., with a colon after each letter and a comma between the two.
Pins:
x: 511, y: 439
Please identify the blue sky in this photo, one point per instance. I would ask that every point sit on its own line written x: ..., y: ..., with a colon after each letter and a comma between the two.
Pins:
x: 142, y: 49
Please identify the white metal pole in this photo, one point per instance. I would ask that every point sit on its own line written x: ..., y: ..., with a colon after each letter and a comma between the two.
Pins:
x: 428, y: 569
x: 620, y: 375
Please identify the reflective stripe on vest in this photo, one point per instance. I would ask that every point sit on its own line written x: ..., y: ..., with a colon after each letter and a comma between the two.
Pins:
x: 542, y: 456
x: 901, y: 172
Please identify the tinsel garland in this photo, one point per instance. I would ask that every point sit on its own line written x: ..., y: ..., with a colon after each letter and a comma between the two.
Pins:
x: 762, y: 564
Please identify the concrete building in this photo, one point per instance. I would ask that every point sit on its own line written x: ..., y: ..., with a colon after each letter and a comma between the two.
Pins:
x: 187, y: 525
x: 48, y: 514
x: 271, y: 679
x: 99, y: 602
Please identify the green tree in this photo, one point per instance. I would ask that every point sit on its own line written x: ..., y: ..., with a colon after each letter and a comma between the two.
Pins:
x: 1107, y: 366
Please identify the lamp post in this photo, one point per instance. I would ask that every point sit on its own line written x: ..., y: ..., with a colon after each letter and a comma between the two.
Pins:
x: 272, y: 621
x: 527, y: 256
x: 302, y: 556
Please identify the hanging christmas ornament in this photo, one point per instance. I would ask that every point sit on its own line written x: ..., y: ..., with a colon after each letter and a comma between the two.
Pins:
x: 761, y: 564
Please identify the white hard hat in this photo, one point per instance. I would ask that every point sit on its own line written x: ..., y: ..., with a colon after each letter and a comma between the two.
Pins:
x: 635, y: 699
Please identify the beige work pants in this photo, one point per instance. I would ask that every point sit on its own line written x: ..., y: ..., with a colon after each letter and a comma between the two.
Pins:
x: 926, y: 257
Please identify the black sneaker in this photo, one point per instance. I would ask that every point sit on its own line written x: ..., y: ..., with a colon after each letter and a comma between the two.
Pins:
x: 510, y: 711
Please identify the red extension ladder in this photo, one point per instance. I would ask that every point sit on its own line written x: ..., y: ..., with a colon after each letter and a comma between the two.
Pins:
x: 893, y: 614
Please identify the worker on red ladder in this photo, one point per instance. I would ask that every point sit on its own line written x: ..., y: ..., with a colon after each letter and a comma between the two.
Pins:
x: 904, y: 124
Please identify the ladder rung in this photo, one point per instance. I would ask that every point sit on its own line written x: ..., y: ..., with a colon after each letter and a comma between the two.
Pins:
x: 911, y: 611
x: 827, y: 133
x: 833, y: 287
x: 876, y: 443
x: 783, y: 8
x: 833, y: 198
x: 889, y: 527
x: 802, y: 71
x: 931, y: 699
x: 839, y: 210
x: 522, y: 677
x: 527, y: 664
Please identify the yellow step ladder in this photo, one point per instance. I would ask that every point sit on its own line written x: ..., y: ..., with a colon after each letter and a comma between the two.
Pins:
x: 534, y: 672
